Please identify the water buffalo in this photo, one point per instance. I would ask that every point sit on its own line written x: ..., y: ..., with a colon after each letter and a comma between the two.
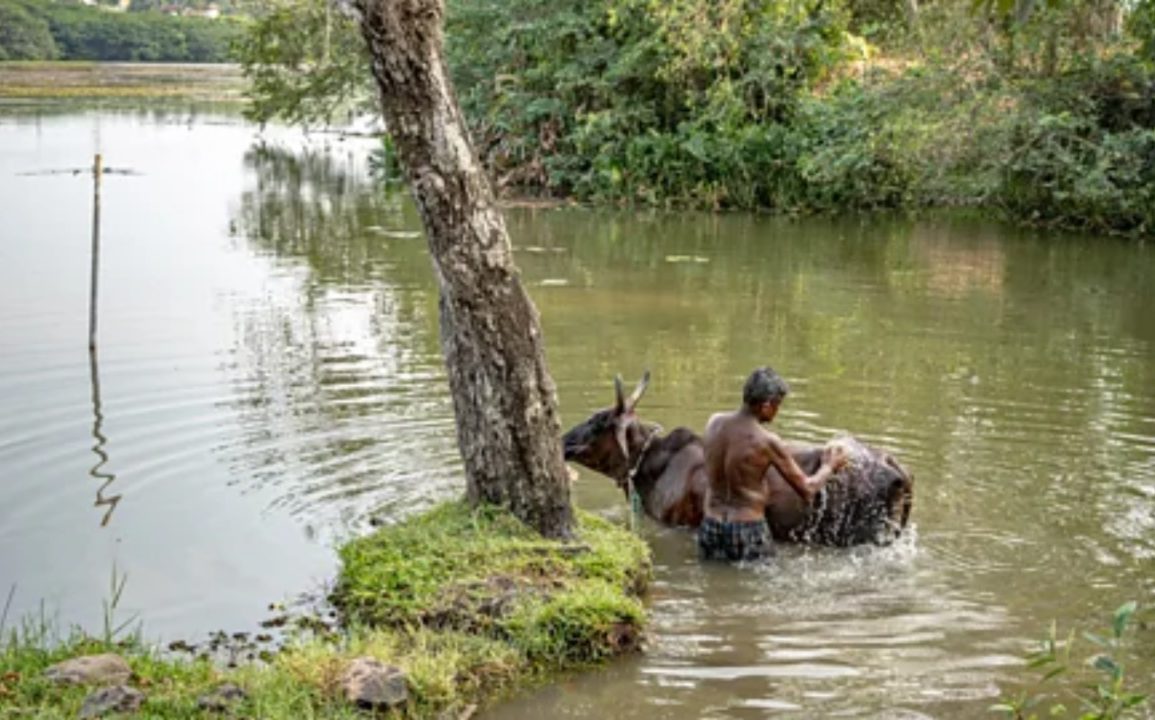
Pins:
x: 869, y: 500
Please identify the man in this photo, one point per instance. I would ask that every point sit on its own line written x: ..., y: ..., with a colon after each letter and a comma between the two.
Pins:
x: 739, y: 452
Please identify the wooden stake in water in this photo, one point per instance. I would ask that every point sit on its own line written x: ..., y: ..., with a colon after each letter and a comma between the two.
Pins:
x: 94, y: 371
x: 97, y: 172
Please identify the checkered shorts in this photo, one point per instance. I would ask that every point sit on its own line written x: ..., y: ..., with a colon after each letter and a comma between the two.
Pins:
x: 734, y: 541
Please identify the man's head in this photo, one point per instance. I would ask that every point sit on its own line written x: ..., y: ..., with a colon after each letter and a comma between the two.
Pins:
x: 763, y: 393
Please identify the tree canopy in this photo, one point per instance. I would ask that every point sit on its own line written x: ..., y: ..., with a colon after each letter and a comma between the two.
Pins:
x: 23, y: 35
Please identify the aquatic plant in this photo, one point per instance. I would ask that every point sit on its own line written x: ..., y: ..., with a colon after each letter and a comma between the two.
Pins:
x: 1108, y: 695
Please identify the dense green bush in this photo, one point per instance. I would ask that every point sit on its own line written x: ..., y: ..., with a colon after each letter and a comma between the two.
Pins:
x: 1082, y: 153
x: 1043, y: 109
x: 635, y: 99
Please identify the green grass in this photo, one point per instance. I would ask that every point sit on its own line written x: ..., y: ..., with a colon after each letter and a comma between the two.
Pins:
x: 399, y: 574
x: 471, y: 604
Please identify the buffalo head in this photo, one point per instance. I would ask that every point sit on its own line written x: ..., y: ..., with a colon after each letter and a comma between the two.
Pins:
x: 602, y: 442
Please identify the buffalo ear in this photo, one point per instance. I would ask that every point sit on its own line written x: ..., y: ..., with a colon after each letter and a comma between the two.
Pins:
x: 619, y: 399
x: 638, y: 391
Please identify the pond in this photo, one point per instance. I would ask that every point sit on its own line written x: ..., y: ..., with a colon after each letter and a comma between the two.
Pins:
x: 268, y: 379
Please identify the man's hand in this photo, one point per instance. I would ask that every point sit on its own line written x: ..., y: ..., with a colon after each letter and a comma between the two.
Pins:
x: 835, y: 456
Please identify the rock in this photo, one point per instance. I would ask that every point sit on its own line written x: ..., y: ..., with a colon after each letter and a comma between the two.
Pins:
x: 624, y: 637
x: 370, y: 684
x: 222, y: 698
x: 103, y: 669
x: 115, y: 699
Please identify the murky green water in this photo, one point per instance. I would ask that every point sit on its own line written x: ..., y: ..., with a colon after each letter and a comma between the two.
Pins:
x: 268, y: 376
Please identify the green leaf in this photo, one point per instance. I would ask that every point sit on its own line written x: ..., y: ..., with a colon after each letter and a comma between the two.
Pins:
x: 1041, y: 660
x: 1122, y: 616
x: 1106, y: 664
x: 1130, y: 701
x: 1097, y: 639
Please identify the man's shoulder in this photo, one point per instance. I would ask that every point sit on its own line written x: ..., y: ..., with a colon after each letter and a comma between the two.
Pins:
x: 716, y: 421
x: 718, y: 417
x: 772, y: 439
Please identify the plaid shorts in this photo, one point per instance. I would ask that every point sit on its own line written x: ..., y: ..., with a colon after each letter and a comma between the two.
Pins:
x: 734, y: 541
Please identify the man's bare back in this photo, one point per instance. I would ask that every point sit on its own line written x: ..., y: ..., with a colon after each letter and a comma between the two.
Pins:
x: 739, y: 452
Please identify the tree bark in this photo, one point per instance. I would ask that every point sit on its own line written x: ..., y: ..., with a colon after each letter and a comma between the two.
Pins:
x: 910, y: 9
x: 503, y: 396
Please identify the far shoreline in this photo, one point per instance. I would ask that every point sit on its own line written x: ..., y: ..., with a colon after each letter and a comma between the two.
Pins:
x: 88, y: 80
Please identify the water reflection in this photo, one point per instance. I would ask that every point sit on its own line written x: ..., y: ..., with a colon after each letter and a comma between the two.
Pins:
x: 106, y: 478
x: 339, y: 387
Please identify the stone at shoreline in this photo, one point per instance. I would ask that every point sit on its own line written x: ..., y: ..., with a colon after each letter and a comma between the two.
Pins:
x: 222, y: 698
x: 115, y: 699
x: 103, y: 669
x: 371, y: 684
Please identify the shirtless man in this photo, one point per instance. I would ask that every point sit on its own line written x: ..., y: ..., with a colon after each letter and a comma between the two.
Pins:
x: 739, y: 451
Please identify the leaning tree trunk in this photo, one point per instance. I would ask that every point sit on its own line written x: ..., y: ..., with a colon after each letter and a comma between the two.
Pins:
x: 503, y: 396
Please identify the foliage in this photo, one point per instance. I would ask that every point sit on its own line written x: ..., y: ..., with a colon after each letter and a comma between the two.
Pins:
x: 305, y: 62
x: 1141, y: 24
x: 1082, y: 151
x: 87, y: 33
x: 593, y: 98
x: 1109, y: 696
x: 1040, y: 108
x: 23, y: 35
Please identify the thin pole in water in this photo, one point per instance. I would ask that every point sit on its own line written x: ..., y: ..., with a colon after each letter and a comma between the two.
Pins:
x: 97, y: 172
x: 93, y: 366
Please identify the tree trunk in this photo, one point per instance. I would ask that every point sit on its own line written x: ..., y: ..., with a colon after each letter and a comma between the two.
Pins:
x: 503, y: 396
x: 910, y: 10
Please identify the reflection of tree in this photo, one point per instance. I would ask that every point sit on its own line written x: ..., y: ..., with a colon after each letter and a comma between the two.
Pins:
x: 341, y: 385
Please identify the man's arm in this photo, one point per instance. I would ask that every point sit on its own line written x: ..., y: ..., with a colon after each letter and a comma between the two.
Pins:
x: 806, y: 487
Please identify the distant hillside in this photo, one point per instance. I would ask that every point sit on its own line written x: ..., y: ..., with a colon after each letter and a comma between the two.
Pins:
x: 175, y: 31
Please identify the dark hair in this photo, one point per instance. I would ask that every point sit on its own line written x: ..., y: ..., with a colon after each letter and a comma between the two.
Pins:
x: 764, y: 385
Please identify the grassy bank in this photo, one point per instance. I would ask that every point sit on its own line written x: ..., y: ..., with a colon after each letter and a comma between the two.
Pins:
x: 112, y: 81
x: 469, y: 605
